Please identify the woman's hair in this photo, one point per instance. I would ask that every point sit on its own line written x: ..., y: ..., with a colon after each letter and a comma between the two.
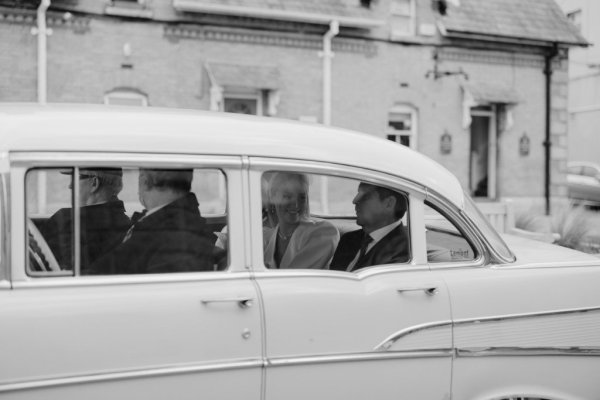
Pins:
x: 279, y: 178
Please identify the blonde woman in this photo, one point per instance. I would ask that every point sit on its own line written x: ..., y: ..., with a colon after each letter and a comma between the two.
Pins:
x: 297, y: 241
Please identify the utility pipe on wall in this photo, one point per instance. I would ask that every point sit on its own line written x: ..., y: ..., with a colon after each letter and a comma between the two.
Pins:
x: 549, y: 58
x: 42, y: 31
x: 334, y: 29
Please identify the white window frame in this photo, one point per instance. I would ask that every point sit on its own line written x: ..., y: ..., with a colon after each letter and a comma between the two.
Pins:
x: 125, y: 95
x: 412, y: 132
x: 411, y: 16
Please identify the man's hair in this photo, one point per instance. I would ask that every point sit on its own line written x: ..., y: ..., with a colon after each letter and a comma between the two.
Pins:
x: 110, y: 184
x: 179, y: 180
x: 401, y: 203
x: 110, y: 179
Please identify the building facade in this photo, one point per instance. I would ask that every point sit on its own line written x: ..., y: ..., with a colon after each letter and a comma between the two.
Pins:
x: 481, y: 87
x: 584, y: 82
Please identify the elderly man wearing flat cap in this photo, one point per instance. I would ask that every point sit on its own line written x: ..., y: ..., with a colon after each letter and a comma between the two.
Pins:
x: 103, y: 222
x: 382, y: 239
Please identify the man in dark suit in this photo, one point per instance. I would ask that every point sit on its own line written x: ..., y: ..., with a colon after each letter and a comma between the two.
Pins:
x: 169, y: 236
x: 102, y: 217
x: 382, y: 239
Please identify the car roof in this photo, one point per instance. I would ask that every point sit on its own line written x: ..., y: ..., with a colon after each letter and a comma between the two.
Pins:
x: 100, y: 128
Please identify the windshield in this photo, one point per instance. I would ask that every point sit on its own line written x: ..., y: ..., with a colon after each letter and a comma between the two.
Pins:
x: 492, y: 237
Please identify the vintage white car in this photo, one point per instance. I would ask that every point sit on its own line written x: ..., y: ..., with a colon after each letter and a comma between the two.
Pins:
x: 466, y: 314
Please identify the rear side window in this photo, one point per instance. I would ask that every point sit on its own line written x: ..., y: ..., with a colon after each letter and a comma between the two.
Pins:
x: 445, y: 242
x: 122, y: 221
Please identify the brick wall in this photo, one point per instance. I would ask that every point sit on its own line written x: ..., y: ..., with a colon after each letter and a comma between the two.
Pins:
x: 369, y: 78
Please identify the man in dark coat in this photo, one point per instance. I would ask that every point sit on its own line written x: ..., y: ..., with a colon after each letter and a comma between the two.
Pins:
x: 103, y: 222
x: 170, y: 236
x: 382, y: 239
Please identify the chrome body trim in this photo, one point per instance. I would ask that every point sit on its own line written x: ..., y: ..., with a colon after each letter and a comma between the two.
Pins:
x: 527, y: 351
x: 357, y: 357
x: 525, y: 315
x: 550, y: 264
x: 128, y: 374
x: 386, y: 344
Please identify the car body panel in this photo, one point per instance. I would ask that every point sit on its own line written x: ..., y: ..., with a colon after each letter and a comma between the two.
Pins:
x: 492, y: 327
x: 130, y: 332
x: 318, y: 322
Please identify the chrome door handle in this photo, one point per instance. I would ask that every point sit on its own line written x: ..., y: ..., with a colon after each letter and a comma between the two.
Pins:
x: 428, y: 289
x: 243, y: 302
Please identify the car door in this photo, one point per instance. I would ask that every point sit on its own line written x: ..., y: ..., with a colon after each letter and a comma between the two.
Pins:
x: 383, y: 332
x: 186, y: 335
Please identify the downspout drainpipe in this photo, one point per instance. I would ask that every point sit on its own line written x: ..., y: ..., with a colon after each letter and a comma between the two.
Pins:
x: 549, y: 58
x: 42, y: 33
x: 334, y: 29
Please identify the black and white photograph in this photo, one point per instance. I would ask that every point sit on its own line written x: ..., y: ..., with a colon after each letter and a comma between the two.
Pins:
x: 300, y: 199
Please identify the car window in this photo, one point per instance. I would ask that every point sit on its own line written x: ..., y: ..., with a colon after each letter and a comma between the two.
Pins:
x: 445, y: 242
x: 574, y: 169
x: 126, y: 220
x: 313, y: 221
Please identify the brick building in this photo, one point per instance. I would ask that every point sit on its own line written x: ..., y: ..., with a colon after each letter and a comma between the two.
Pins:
x: 480, y: 86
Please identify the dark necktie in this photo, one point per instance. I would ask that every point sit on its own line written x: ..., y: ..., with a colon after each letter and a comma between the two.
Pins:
x: 135, y: 218
x: 364, y: 244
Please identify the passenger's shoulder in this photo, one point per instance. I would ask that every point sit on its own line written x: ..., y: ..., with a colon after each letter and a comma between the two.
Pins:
x: 321, y: 226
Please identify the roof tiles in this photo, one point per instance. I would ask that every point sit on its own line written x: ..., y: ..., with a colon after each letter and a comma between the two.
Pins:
x: 520, y: 19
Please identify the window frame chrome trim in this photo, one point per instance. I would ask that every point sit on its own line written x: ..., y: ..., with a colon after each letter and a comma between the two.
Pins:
x: 118, y: 280
x: 76, y: 222
x: 261, y: 164
x: 24, y: 161
x: 358, y: 275
x: 5, y: 264
x: 109, y: 159
x: 486, y: 255
x: 130, y: 374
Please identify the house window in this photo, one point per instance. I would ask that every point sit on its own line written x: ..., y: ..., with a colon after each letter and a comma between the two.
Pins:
x: 402, y: 18
x: 402, y: 126
x: 125, y: 97
x: 239, y: 103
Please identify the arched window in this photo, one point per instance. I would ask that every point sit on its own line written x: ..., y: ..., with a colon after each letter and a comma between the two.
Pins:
x: 126, y: 97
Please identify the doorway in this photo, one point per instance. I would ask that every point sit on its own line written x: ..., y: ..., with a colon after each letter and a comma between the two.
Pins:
x: 483, y: 153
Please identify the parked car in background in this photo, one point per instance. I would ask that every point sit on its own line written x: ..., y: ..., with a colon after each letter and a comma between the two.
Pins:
x: 583, y: 180
x: 469, y: 315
